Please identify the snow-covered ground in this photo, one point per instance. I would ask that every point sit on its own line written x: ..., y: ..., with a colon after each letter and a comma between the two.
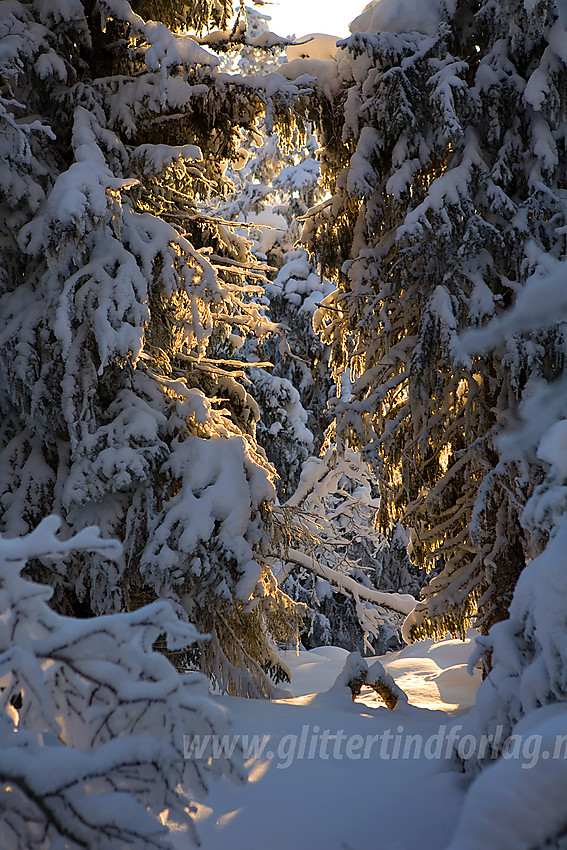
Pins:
x: 340, y: 775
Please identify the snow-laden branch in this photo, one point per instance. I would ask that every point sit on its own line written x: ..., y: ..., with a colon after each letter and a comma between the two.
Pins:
x: 336, y: 508
x: 403, y: 603
x: 42, y: 542
x: 92, y: 720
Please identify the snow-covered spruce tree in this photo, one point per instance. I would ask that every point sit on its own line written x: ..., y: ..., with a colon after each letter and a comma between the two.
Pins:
x: 272, y: 190
x: 443, y: 133
x: 522, y: 703
x: 293, y: 393
x: 92, y: 720
x: 324, y: 501
x: 116, y: 295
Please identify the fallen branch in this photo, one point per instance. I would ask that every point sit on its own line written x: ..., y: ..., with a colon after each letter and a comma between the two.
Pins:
x: 356, y: 674
x: 385, y: 686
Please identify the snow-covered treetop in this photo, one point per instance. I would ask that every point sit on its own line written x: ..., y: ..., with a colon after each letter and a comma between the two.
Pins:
x: 423, y: 16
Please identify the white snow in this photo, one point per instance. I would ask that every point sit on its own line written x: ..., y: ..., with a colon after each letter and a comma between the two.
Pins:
x: 562, y: 9
x: 553, y: 448
x: 308, y: 794
x: 308, y: 71
x: 401, y: 16
x: 434, y: 675
x: 316, y: 45
x: 517, y: 803
x: 540, y: 303
x: 271, y: 226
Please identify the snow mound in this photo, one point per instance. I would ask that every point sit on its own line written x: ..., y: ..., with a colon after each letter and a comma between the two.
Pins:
x: 519, y: 801
x: 433, y: 675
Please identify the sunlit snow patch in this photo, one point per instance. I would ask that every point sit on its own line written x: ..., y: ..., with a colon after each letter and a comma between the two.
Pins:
x: 434, y: 675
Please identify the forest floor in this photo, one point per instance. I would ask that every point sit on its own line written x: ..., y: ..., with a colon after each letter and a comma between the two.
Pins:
x: 334, y: 774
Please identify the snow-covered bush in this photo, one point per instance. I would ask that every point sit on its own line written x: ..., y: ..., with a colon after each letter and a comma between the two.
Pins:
x: 92, y: 719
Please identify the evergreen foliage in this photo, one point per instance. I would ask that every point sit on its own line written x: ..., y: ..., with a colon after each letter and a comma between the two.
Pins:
x: 338, y: 564
x: 92, y: 719
x: 117, y: 295
x: 523, y: 697
x: 444, y: 151
x: 276, y: 181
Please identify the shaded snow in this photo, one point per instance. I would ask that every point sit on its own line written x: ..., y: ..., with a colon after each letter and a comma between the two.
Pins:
x: 553, y: 448
x: 515, y: 804
x: 562, y: 9
x: 346, y: 802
